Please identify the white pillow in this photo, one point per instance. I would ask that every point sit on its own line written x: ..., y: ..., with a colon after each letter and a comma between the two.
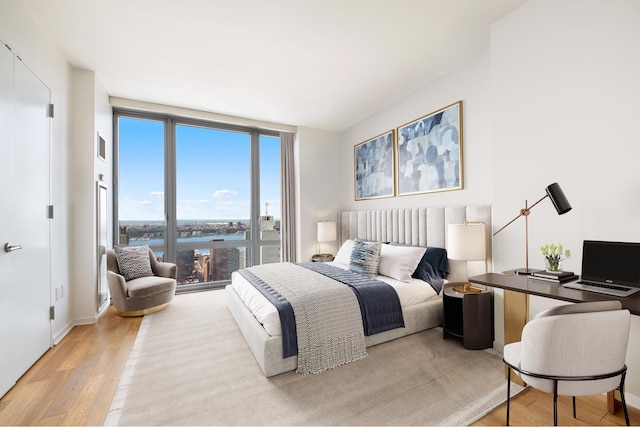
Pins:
x: 344, y: 253
x: 399, y: 262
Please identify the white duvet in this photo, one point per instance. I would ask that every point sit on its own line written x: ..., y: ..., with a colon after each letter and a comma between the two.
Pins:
x: 410, y: 293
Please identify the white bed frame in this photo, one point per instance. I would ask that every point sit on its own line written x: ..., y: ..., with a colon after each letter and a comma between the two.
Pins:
x: 415, y: 226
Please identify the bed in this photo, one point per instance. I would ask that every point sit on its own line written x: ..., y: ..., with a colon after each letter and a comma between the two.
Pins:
x: 412, y: 226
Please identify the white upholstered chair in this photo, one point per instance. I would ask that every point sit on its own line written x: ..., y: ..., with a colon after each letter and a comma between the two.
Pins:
x: 573, y: 350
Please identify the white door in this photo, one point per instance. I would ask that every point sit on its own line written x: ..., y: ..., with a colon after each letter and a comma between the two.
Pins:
x: 25, y: 331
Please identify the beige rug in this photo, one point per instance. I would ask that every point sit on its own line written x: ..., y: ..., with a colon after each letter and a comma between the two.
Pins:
x: 190, y: 365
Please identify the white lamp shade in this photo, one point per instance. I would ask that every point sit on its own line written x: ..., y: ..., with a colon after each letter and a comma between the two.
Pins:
x: 466, y: 242
x: 327, y: 231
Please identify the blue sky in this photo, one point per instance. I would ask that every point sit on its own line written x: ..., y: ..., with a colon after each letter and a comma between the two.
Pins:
x: 212, y: 169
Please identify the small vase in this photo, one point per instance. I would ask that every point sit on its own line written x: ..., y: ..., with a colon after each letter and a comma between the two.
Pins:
x: 553, y: 266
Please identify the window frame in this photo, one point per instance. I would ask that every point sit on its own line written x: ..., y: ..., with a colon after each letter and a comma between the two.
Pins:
x: 252, y: 246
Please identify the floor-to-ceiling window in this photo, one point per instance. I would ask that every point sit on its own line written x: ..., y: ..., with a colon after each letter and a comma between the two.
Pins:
x: 202, y: 195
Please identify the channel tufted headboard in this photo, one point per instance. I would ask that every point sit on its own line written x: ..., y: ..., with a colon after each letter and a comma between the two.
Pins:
x: 418, y: 226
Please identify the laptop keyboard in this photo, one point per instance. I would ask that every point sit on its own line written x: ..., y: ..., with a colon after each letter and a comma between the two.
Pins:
x: 604, y: 286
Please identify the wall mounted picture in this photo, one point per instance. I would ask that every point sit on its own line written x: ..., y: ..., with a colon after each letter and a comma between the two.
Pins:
x: 374, y: 167
x: 429, y: 152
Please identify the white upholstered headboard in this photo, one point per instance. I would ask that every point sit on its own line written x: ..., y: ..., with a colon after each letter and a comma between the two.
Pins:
x: 418, y: 226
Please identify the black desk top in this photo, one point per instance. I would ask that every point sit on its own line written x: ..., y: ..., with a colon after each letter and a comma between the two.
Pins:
x: 522, y: 283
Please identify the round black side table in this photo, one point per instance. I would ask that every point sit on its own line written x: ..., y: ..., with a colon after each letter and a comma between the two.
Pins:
x: 468, y: 314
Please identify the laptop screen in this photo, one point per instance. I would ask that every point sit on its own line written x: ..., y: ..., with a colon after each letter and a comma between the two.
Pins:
x: 611, y: 262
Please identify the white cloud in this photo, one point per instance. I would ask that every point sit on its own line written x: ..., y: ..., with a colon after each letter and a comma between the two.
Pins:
x: 138, y: 202
x: 157, y: 193
x: 225, y: 193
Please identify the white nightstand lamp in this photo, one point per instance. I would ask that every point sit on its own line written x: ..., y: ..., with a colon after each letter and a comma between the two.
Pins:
x: 467, y: 242
x: 326, y: 233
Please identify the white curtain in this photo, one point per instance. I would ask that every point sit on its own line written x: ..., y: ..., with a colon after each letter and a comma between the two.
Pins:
x: 287, y: 192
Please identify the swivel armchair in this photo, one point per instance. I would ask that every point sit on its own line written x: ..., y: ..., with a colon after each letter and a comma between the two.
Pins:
x: 149, y: 293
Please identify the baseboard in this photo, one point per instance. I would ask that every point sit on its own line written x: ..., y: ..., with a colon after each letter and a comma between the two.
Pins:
x: 63, y: 333
x: 85, y: 320
x: 632, y: 400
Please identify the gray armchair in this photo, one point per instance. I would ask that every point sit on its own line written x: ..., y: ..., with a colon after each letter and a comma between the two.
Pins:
x: 143, y: 295
x: 573, y: 350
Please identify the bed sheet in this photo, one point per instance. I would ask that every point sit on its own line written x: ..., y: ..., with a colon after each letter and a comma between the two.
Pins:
x: 409, y: 293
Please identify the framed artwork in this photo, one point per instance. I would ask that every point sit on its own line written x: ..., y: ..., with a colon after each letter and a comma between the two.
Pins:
x: 429, y: 152
x: 374, y: 167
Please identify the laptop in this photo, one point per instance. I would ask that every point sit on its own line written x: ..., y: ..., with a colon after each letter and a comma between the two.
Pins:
x: 610, y: 268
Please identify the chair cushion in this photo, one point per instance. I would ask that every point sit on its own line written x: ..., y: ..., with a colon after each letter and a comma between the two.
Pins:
x: 133, y: 261
x: 151, y: 285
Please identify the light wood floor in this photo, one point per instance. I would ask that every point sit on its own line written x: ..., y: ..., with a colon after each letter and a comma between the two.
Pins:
x: 74, y: 383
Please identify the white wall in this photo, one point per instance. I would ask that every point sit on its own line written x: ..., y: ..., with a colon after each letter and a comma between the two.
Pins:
x: 555, y: 99
x: 471, y: 84
x: 565, y: 108
x: 318, y: 181
x: 92, y: 115
x: 20, y: 30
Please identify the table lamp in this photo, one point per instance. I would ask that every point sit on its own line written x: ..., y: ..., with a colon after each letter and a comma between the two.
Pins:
x: 560, y: 202
x: 466, y: 242
x: 326, y: 233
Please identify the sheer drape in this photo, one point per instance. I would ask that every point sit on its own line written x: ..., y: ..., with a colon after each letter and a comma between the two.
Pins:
x: 287, y: 183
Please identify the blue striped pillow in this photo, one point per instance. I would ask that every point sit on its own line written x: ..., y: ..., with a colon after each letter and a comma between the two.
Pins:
x: 365, y: 257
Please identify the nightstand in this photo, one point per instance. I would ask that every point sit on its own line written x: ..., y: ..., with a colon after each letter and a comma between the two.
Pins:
x: 322, y: 258
x: 468, y: 314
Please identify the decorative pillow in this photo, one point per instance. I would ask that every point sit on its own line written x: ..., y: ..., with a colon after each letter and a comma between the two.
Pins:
x: 399, y: 262
x: 365, y: 257
x: 133, y: 261
x: 344, y: 253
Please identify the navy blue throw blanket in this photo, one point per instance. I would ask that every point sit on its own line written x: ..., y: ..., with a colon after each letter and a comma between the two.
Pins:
x: 287, y: 317
x: 379, y: 303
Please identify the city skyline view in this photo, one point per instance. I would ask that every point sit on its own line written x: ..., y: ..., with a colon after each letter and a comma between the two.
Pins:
x: 212, y: 173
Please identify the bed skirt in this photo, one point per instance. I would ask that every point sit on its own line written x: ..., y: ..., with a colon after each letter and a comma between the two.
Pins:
x: 267, y: 350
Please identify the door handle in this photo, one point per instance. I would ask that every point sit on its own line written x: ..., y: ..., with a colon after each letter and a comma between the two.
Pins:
x: 8, y: 247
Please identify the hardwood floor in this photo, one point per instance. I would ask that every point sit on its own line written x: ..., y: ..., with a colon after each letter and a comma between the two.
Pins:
x: 535, y: 408
x: 74, y: 383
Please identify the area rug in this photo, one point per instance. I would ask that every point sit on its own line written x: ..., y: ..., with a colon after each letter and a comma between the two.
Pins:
x: 190, y: 365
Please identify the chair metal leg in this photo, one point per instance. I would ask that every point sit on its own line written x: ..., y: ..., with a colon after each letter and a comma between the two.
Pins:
x: 574, y: 406
x: 624, y: 403
x: 508, y: 393
x: 555, y: 402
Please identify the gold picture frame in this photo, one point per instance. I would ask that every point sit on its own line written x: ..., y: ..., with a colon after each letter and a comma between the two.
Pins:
x: 428, y: 153
x: 373, y: 165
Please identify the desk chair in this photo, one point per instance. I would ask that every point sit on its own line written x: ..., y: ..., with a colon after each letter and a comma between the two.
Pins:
x: 573, y: 350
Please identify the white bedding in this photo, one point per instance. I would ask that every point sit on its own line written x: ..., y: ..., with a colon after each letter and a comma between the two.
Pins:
x: 410, y: 293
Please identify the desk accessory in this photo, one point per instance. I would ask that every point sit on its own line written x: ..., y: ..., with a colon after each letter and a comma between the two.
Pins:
x: 560, y: 202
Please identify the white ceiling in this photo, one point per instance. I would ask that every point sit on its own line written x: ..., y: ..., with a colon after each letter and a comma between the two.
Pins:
x: 325, y: 64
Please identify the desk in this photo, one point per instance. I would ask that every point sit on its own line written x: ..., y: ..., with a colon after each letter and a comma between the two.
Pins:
x: 517, y: 289
x: 523, y: 284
